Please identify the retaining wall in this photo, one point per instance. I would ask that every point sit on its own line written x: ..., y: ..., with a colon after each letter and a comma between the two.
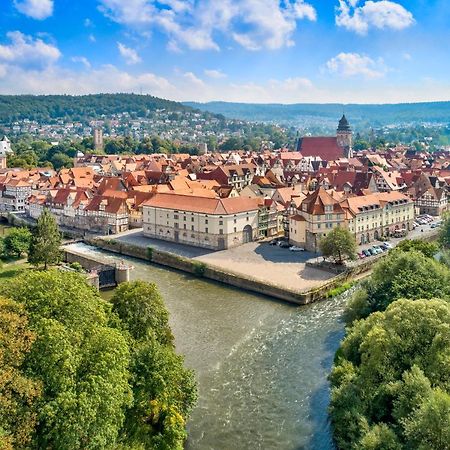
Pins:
x: 217, y: 274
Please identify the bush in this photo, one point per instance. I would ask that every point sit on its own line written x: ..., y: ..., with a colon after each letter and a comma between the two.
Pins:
x: 149, y: 253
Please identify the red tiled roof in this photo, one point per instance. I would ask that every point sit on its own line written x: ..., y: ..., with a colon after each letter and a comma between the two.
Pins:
x: 203, y: 205
x: 326, y: 148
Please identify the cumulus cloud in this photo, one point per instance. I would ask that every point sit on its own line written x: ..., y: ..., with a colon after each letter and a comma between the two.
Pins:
x: 129, y: 54
x: 36, y: 9
x: 372, y: 14
x: 354, y: 64
x: 214, y: 73
x: 254, y: 24
x: 24, y: 50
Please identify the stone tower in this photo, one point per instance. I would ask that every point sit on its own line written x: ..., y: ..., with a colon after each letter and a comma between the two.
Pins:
x: 98, y: 139
x: 344, y: 137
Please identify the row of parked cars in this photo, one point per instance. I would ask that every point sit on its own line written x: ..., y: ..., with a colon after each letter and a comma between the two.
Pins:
x: 375, y: 250
x: 425, y: 219
x: 280, y: 242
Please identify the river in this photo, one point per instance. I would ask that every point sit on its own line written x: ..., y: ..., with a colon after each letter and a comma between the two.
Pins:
x: 261, y: 364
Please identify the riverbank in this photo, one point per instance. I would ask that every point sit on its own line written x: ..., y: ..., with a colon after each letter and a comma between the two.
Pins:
x: 239, y: 280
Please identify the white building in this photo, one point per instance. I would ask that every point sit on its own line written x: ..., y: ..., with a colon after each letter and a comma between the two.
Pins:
x: 216, y: 223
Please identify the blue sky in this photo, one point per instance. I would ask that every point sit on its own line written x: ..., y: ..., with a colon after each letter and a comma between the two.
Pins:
x: 287, y: 51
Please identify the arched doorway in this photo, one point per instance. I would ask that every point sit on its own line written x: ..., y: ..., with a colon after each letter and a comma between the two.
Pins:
x: 247, y: 234
x: 376, y: 235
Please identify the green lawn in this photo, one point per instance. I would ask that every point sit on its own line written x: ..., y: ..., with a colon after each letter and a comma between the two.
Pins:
x: 13, y: 269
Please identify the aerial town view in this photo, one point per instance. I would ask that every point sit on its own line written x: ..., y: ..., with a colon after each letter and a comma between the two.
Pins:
x: 224, y: 225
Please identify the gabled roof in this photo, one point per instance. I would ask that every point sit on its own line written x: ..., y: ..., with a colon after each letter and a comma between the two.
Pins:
x: 326, y: 148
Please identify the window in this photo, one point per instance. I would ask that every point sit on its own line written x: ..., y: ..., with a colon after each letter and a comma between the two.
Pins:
x: 221, y: 231
x: 235, y: 229
x: 206, y: 221
x: 192, y: 219
x: 318, y: 225
x: 235, y: 221
x: 192, y: 227
x: 220, y: 222
x: 175, y: 216
x: 206, y: 230
x: 184, y: 226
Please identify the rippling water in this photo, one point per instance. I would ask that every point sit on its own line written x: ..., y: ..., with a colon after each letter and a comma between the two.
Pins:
x: 261, y: 364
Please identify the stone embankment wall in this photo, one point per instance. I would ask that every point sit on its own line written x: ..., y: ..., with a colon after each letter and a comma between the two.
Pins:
x: 210, y: 272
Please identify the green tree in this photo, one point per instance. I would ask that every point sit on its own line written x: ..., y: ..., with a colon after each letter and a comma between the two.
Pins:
x: 141, y: 310
x: 429, y: 249
x: 81, y: 361
x: 390, y: 380
x: 444, y: 233
x: 18, y: 392
x: 338, y: 244
x: 400, y: 275
x: 164, y: 390
x: 46, y: 241
x: 17, y: 242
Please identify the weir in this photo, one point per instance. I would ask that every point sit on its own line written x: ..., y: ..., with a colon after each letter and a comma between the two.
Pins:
x: 100, y: 275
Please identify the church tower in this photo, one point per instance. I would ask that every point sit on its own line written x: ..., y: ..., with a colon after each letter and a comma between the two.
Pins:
x: 344, y: 137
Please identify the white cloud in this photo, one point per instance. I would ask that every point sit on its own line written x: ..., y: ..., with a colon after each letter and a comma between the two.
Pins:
x: 36, y: 9
x: 372, y: 14
x: 55, y: 80
x: 129, y: 54
x: 214, y: 73
x: 82, y: 60
x: 26, y: 51
x: 354, y: 64
x: 193, y: 79
x: 92, y: 38
x: 254, y: 24
x: 181, y: 87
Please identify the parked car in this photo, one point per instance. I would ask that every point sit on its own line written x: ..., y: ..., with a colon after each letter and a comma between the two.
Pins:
x: 388, y: 245
x: 376, y: 249
x: 434, y: 225
x: 273, y: 242
x: 361, y: 255
x: 294, y: 248
x: 367, y: 253
x: 284, y: 244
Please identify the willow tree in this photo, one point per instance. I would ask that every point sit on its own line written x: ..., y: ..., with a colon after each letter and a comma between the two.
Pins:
x: 44, y: 248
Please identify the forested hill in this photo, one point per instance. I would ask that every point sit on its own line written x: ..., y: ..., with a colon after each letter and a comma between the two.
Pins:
x: 80, y: 108
x: 304, y: 113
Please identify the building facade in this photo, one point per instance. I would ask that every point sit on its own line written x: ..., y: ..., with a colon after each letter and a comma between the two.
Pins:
x: 213, y: 223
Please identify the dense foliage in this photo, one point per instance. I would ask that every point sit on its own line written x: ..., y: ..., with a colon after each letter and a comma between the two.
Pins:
x: 18, y: 391
x: 45, y: 108
x: 399, y: 275
x: 163, y: 390
x: 91, y: 382
x: 15, y: 243
x: 339, y: 245
x: 444, y: 234
x: 391, y: 380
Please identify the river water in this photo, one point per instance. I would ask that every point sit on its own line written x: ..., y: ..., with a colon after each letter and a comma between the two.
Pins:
x: 261, y: 364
